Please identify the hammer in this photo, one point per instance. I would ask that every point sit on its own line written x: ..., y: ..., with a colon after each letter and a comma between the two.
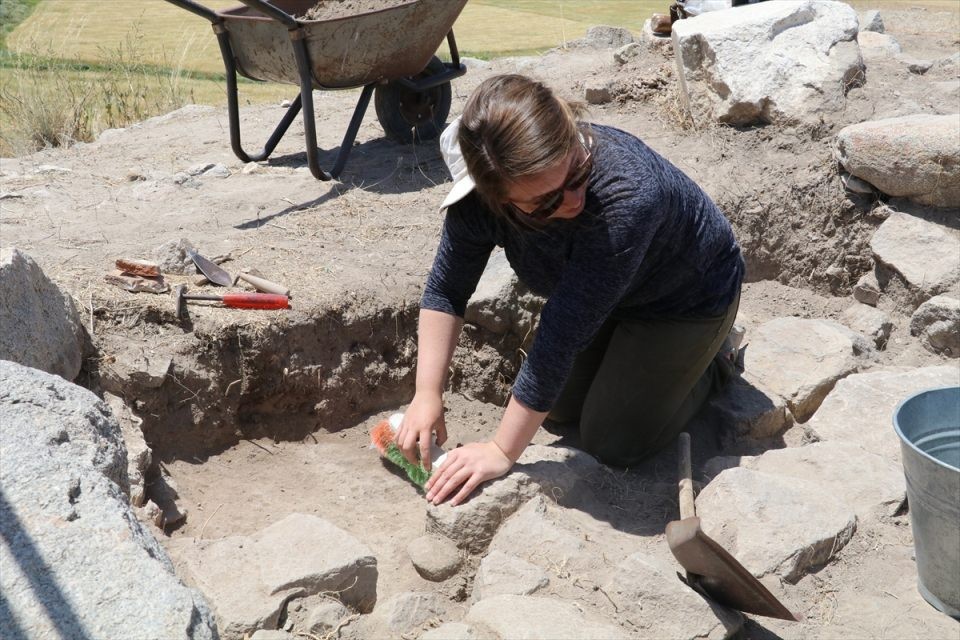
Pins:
x: 234, y: 300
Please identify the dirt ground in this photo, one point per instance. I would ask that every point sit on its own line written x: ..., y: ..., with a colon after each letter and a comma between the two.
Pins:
x: 267, y: 413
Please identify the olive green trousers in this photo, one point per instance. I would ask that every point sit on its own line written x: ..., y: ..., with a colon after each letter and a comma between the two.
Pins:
x: 638, y: 384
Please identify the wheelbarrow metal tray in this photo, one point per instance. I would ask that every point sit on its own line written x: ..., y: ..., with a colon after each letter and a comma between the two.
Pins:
x: 345, y: 52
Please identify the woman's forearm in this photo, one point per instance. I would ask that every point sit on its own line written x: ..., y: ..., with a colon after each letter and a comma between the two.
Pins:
x: 438, y: 334
x: 517, y: 428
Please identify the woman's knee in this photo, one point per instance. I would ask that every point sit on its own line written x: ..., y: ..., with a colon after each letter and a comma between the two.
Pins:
x: 623, y: 440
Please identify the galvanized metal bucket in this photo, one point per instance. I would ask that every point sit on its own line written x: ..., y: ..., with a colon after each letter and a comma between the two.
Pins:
x: 928, y: 424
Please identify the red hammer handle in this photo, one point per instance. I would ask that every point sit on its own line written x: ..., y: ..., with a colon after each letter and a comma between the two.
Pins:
x: 256, y: 301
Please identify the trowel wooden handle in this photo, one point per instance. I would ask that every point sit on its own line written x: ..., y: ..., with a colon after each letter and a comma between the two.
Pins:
x: 260, y: 284
x: 687, y: 508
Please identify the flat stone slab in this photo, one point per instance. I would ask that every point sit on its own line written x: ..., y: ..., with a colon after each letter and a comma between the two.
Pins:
x: 860, y: 408
x: 750, y: 411
x: 866, y: 482
x: 924, y: 253
x: 249, y: 579
x: 529, y: 617
x: 501, y: 573
x: 648, y: 593
x: 801, y: 360
x: 775, y: 524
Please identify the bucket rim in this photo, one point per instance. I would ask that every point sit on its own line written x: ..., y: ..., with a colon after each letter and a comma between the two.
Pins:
x: 906, y: 440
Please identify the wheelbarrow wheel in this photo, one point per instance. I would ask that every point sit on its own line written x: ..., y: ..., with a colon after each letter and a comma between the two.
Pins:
x: 408, y: 116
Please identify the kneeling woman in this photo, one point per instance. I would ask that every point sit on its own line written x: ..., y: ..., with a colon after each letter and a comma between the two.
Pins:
x: 640, y: 269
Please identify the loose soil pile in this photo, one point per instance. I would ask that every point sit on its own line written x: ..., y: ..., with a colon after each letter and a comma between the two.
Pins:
x: 332, y: 9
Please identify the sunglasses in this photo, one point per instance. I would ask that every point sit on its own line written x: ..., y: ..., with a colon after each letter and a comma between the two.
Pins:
x: 551, y: 201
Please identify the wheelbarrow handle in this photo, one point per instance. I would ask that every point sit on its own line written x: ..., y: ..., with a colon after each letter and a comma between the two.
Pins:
x: 687, y: 506
x: 277, y: 14
x: 198, y: 9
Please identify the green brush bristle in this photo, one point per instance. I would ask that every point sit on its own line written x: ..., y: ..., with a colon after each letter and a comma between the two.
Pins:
x: 417, y: 474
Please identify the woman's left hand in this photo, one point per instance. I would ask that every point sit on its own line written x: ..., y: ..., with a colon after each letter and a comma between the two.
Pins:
x: 466, y: 467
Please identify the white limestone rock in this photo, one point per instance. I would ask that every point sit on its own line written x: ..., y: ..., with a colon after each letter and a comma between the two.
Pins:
x: 41, y: 327
x: 867, y: 289
x: 434, y: 557
x: 871, y: 21
x: 779, y: 61
x: 869, y: 484
x: 924, y: 254
x: 801, y: 360
x: 860, y: 408
x: 750, y: 411
x: 878, y: 45
x: 870, y: 321
x: 75, y: 560
x: 937, y: 322
x: 775, y: 524
x: 915, y: 156
x: 249, y: 579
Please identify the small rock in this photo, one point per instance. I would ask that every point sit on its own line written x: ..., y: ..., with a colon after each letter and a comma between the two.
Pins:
x: 916, y: 65
x: 434, y: 557
x: 139, y: 456
x: 326, y: 616
x: 878, y: 44
x: 407, y: 611
x: 856, y: 185
x: 252, y: 168
x: 871, y: 21
x: 869, y: 321
x: 628, y: 52
x: 655, y: 41
x: 197, y: 169
x: 217, y: 171
x: 285, y: 104
x: 750, y: 411
x: 172, y: 256
x: 937, y: 322
x: 867, y: 289
x: 598, y: 94
x: 52, y: 168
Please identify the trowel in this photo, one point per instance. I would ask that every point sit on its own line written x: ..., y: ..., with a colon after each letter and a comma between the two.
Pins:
x: 711, y: 570
x: 218, y: 275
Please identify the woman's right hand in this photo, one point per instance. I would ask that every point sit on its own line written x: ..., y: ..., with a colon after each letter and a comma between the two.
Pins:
x: 422, y: 418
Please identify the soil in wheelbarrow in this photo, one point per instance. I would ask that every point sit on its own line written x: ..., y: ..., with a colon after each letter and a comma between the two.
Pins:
x: 330, y: 9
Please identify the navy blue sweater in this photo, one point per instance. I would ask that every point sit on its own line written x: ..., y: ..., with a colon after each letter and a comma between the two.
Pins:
x: 649, y: 244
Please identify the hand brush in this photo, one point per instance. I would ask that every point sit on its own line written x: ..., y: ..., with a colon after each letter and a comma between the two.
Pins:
x: 383, y: 438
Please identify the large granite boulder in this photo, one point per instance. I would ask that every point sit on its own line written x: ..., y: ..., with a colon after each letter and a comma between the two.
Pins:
x: 916, y: 157
x: 76, y: 562
x: 39, y: 324
x: 777, y: 61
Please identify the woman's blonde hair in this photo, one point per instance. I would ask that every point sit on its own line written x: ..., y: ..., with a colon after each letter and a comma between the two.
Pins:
x: 513, y: 126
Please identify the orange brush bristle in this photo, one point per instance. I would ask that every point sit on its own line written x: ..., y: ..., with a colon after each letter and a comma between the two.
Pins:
x: 382, y: 436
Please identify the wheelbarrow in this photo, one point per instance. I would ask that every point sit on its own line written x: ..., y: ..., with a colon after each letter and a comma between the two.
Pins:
x: 389, y: 52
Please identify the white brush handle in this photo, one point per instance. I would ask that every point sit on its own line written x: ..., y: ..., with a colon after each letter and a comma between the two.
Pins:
x: 437, y: 454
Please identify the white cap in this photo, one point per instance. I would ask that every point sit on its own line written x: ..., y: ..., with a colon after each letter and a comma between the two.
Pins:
x: 450, y: 148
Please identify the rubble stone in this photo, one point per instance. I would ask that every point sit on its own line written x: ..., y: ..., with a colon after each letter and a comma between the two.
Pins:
x: 41, y: 326
x: 768, y: 62
x: 870, y: 321
x: 860, y: 408
x: 801, y: 360
x: 937, y: 322
x: 535, y: 617
x: 434, y: 557
x: 750, y: 411
x: 914, y: 156
x: 501, y: 573
x: 867, y: 289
